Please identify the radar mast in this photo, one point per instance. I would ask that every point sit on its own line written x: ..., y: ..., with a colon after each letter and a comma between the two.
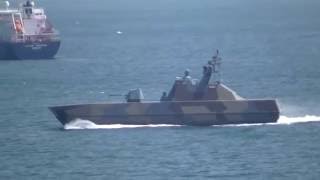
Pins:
x: 216, y: 66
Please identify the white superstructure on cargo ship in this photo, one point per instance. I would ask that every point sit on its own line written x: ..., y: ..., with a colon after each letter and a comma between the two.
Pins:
x: 26, y: 33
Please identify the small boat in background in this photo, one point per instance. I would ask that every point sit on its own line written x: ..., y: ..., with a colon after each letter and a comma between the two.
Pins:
x: 26, y: 33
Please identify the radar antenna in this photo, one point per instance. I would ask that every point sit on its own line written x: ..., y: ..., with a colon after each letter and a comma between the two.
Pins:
x: 216, y: 65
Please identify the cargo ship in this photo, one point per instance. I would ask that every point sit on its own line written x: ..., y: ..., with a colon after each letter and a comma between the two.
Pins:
x: 26, y: 33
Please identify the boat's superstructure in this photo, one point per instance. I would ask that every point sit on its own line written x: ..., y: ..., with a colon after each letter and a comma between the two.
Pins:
x: 189, y: 102
x: 26, y: 33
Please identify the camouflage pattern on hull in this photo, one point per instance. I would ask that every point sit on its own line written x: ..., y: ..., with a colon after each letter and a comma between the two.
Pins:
x: 201, y: 113
x: 189, y: 102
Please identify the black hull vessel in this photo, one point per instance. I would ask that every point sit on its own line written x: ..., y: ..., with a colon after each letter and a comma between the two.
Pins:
x: 26, y: 33
x: 189, y: 102
x: 29, y: 50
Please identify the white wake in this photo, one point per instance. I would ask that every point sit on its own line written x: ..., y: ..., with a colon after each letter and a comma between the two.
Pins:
x: 283, y: 120
x: 302, y: 119
x: 86, y: 124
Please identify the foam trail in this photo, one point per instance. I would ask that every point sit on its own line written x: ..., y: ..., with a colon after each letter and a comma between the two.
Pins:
x: 283, y: 120
x: 302, y: 119
x: 86, y: 124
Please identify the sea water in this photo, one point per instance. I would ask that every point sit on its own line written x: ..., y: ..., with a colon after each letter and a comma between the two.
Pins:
x: 270, y: 49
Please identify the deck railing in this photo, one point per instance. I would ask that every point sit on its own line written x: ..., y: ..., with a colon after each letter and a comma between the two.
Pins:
x: 35, y: 38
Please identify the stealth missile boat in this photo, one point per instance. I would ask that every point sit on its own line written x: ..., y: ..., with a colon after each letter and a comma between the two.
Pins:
x: 189, y: 102
x: 26, y: 33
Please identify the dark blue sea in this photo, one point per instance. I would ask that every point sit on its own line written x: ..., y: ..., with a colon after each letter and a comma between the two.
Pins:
x: 270, y: 49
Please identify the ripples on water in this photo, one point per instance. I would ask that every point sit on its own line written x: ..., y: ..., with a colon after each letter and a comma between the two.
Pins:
x: 269, y: 49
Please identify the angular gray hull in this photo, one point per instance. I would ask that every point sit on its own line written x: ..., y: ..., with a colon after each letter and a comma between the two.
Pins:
x: 199, y: 113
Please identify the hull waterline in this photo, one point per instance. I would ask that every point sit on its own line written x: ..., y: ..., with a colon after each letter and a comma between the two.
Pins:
x: 178, y: 113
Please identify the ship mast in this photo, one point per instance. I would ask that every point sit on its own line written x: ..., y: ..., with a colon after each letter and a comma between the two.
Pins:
x: 216, y: 65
